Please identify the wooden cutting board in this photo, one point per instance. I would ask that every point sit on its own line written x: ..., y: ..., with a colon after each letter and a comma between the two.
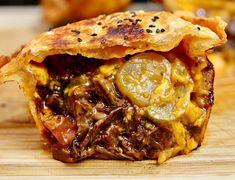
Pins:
x: 21, y: 147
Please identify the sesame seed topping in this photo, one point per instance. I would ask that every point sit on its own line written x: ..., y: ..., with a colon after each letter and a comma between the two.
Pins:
x: 79, y: 40
x: 133, y: 14
x: 119, y: 21
x: 198, y: 28
x: 158, y: 30
x: 129, y: 19
x: 94, y: 34
x: 75, y: 31
x: 125, y: 37
x: 156, y: 17
x: 99, y: 23
x: 134, y: 23
x: 149, y: 31
x: 141, y: 31
x: 162, y: 30
x: 152, y: 26
x: 138, y: 20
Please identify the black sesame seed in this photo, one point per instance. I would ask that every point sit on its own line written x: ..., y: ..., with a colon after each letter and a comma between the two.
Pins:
x: 156, y: 17
x: 79, y: 40
x: 162, y: 30
x: 141, y: 31
x: 94, y: 34
x: 198, y: 28
x: 149, y: 31
x: 119, y: 25
x: 119, y: 21
x: 138, y: 20
x: 129, y: 19
x: 158, y: 30
x: 125, y: 37
x: 151, y: 26
x: 134, y: 23
x: 99, y: 23
x: 75, y: 31
x: 133, y: 14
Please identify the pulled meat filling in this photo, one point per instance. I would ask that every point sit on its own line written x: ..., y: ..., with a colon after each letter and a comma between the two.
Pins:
x: 138, y: 107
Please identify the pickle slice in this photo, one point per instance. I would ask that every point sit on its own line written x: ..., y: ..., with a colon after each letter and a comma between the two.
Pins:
x: 172, y: 101
x: 150, y: 80
x: 139, y: 76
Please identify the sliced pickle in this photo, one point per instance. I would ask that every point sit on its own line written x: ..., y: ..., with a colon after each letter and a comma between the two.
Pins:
x: 139, y: 76
x: 150, y: 80
x: 169, y: 101
x: 173, y: 109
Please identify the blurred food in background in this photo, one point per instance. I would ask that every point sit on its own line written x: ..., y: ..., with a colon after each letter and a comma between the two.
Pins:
x: 60, y: 12
x: 224, y: 58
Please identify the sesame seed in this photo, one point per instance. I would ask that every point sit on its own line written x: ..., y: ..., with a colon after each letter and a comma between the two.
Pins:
x: 75, y: 31
x: 141, y: 31
x: 134, y: 23
x: 138, y: 20
x: 162, y: 30
x: 149, y: 31
x: 198, y: 28
x: 133, y: 14
x: 125, y: 37
x: 94, y: 34
x: 79, y: 40
x: 119, y: 21
x: 156, y: 17
x: 158, y: 30
x: 152, y: 26
x: 129, y: 19
x: 99, y: 23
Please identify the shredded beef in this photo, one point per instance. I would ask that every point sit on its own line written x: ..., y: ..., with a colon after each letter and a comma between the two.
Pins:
x: 91, y: 118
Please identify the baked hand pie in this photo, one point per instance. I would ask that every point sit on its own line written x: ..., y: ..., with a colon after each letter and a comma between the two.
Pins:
x: 130, y: 85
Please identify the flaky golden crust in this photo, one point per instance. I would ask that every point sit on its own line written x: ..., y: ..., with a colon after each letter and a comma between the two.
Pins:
x: 119, y: 35
x: 57, y: 12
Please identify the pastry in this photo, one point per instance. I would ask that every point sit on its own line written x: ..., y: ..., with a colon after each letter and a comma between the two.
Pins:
x: 131, y: 85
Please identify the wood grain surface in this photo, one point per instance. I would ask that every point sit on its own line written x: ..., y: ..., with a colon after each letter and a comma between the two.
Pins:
x: 21, y: 147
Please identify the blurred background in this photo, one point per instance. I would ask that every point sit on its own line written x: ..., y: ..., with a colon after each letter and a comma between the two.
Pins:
x: 32, y: 2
